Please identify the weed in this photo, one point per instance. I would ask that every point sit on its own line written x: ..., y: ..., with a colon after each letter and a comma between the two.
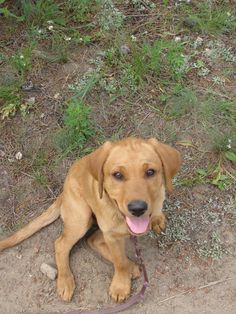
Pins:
x: 182, y: 102
x: 41, y: 11
x: 208, y: 17
x: 141, y: 4
x: 217, y: 50
x: 79, y: 10
x: 60, y: 48
x: 87, y: 82
x: 40, y: 178
x: 190, y: 225
x: 22, y: 60
x: 220, y: 125
x: 10, y: 101
x: 202, y: 69
x: 166, y: 56
x: 7, y: 13
x: 77, y: 127
x: 109, y: 17
x: 213, y: 247
x: 200, y: 177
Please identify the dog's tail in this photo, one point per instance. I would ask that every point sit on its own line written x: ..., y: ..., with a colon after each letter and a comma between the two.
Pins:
x: 47, y: 217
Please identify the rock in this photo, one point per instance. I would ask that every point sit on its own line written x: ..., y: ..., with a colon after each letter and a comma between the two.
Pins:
x: 190, y: 22
x: 49, y: 271
x: 2, y: 153
x: 27, y: 86
x: 124, y: 49
x: 30, y: 101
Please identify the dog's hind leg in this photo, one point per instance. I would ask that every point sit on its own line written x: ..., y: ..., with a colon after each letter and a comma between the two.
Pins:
x: 77, y: 220
x: 97, y: 243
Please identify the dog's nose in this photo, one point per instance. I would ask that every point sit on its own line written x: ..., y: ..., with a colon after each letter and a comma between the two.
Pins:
x: 137, y: 208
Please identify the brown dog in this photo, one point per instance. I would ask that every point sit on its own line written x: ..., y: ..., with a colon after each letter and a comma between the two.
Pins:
x: 123, y: 185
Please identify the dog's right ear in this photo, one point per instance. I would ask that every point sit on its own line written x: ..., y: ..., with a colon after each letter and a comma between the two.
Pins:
x: 96, y: 161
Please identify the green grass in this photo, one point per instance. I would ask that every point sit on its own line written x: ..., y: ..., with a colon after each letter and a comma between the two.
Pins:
x: 209, y: 17
x: 41, y: 11
x: 77, y: 128
x: 10, y: 101
x: 79, y: 10
x: 41, y: 178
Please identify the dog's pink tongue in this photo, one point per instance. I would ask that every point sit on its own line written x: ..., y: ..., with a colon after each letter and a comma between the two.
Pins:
x: 137, y: 224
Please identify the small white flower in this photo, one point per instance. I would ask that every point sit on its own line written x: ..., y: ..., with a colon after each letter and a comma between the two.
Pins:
x: 50, y: 22
x: 229, y: 146
x: 228, y: 14
x: 177, y: 39
x: 133, y: 38
x: 67, y: 38
x: 229, y: 140
x: 21, y: 57
x: 40, y: 31
x: 18, y: 156
x: 50, y: 27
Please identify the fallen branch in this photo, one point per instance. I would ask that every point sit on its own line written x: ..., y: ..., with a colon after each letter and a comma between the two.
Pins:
x: 210, y: 284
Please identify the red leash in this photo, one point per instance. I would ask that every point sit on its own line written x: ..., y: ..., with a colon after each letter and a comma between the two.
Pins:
x: 131, y: 301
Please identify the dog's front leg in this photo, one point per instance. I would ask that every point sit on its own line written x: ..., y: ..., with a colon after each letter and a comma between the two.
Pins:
x: 124, y: 269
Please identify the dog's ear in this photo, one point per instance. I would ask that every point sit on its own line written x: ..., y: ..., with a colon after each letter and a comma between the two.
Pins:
x: 170, y: 159
x: 96, y: 161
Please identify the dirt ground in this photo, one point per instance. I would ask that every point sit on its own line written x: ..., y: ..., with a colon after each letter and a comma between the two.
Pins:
x: 176, y: 285
x: 189, y: 270
x: 180, y: 281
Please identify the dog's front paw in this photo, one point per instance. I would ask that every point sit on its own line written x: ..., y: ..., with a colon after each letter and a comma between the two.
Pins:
x: 134, y: 270
x: 120, y: 289
x: 159, y: 223
x: 66, y: 287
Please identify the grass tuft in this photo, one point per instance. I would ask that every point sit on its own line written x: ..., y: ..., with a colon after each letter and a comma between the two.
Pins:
x: 77, y: 128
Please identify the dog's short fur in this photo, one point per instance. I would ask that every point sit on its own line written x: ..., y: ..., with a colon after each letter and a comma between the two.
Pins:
x: 122, y: 184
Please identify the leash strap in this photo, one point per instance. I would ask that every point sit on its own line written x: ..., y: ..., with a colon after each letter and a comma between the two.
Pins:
x: 132, y: 300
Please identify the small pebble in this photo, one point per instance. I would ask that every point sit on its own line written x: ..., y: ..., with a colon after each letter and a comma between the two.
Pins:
x: 124, y: 49
x: 2, y: 153
x: 18, y: 156
x: 31, y: 101
x: 49, y: 271
x: 27, y: 86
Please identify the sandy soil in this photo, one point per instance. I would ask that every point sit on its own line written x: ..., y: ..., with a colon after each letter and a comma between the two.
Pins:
x: 177, y: 284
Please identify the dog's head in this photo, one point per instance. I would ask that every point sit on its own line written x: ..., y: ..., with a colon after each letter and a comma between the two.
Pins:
x: 135, y: 173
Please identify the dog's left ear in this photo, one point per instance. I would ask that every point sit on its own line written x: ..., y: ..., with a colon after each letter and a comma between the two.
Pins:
x: 96, y: 161
x: 170, y: 159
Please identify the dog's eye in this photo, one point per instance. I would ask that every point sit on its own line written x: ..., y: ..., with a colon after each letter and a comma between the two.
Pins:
x: 150, y: 172
x: 118, y: 175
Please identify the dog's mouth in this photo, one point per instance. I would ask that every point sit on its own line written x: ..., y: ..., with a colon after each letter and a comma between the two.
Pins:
x: 137, y: 225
